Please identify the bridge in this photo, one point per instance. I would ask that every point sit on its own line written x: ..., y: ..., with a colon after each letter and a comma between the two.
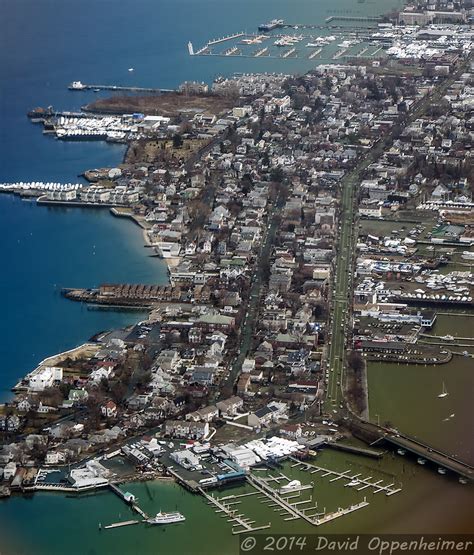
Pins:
x: 364, y: 429
x: 442, y: 460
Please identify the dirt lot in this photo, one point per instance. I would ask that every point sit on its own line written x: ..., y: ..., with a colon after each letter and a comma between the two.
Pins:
x: 154, y: 151
x: 168, y: 104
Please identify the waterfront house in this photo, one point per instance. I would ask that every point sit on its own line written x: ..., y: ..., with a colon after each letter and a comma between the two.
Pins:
x: 9, y: 471
x: 44, y: 378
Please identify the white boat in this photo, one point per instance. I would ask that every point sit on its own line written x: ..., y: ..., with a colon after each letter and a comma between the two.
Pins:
x: 294, y: 485
x: 441, y: 471
x: 131, y: 69
x: 421, y: 461
x: 444, y: 393
x: 401, y: 451
x: 166, y: 518
x: 353, y: 483
x: 462, y: 481
x: 77, y: 86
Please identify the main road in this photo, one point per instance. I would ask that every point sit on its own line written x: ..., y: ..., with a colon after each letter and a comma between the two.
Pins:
x: 339, y: 333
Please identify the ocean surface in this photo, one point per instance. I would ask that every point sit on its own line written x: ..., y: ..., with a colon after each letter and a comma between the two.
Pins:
x: 46, y: 44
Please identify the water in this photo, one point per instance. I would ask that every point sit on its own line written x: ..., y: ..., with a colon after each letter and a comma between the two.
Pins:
x: 45, y: 45
x: 427, y: 503
x: 415, y: 386
x: 44, y: 249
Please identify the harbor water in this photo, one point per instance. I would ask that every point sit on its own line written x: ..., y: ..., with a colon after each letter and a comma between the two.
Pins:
x: 46, y: 44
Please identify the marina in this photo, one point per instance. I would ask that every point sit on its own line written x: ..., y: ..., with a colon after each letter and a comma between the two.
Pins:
x: 357, y: 481
x: 295, y: 509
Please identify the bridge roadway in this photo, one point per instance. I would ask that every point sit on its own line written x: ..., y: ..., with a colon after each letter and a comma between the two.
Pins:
x: 443, y: 460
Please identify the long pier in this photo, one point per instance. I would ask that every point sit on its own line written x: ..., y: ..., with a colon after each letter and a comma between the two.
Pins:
x: 224, y: 506
x: 354, y: 449
x: 224, y: 39
x: 368, y: 18
x: 315, y: 53
x: 289, y: 52
x: 120, y: 524
x: 363, y: 483
x: 295, y: 511
x: 132, y: 504
x: 85, y: 87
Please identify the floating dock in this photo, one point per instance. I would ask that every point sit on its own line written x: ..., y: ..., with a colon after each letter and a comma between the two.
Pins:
x: 294, y: 510
x: 363, y: 483
x: 120, y: 524
x: 241, y: 523
x: 315, y: 53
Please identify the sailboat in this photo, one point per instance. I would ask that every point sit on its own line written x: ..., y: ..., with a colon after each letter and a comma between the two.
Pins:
x: 444, y: 393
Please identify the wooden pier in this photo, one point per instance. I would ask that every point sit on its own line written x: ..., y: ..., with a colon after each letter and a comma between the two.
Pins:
x: 224, y: 39
x: 120, y: 524
x: 261, y: 52
x: 132, y: 503
x: 120, y: 88
x: 315, y: 53
x: 363, y: 483
x: 241, y: 523
x: 368, y: 19
x: 295, y: 509
x: 289, y: 52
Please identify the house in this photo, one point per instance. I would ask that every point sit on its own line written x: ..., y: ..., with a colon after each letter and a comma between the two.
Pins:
x: 230, y: 406
x: 270, y: 413
x: 9, y: 471
x: 202, y: 375
x: 243, y: 384
x: 109, y: 410
x: 248, y: 365
x: 206, y: 414
x: 45, y: 409
x: 54, y: 457
x: 44, y: 378
x: 186, y: 429
x: 78, y: 396
x: 24, y: 405
x: 293, y: 431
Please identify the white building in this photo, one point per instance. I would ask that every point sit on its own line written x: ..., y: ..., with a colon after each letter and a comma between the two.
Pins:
x: 9, y: 471
x: 46, y: 377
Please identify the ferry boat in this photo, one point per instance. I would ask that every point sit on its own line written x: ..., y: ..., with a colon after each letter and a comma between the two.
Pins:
x: 166, y: 518
x: 274, y: 23
x: 77, y: 86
